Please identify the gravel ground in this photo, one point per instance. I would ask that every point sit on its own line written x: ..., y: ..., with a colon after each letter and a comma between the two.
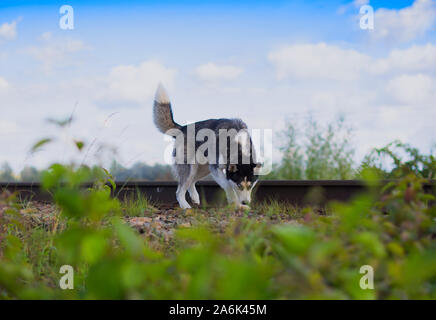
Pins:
x: 155, y: 222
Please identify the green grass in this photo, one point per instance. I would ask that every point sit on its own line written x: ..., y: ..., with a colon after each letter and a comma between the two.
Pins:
x: 274, y: 208
x: 137, y: 206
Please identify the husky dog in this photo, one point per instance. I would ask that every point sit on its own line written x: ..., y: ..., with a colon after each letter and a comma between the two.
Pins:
x: 234, y: 169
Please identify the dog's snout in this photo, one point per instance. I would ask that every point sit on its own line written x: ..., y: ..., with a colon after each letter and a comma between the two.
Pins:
x: 244, y: 202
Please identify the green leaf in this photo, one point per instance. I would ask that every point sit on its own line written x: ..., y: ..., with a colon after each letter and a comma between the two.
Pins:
x: 371, y: 242
x: 79, y: 145
x: 40, y: 143
x: 93, y: 247
x: 60, y: 123
x: 296, y: 239
x: 110, y: 179
x: 71, y: 202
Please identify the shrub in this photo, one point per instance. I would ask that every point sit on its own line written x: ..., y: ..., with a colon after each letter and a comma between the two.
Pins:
x: 322, y: 153
x: 399, y: 159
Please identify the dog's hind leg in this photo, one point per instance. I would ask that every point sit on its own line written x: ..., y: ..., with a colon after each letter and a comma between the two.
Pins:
x: 187, y: 175
x: 183, y: 173
x: 200, y: 172
x: 193, y: 193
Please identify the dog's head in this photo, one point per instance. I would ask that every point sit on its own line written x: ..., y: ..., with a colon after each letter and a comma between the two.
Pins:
x: 243, y: 178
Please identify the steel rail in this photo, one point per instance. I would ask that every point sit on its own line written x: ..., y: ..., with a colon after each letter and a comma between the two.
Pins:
x: 296, y: 192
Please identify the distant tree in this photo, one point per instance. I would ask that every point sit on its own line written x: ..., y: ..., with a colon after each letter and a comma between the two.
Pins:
x: 29, y: 174
x: 141, y: 171
x: 292, y: 164
x: 321, y: 153
x: 6, y: 173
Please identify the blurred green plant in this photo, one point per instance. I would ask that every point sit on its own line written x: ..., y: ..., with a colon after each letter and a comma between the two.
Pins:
x: 398, y: 159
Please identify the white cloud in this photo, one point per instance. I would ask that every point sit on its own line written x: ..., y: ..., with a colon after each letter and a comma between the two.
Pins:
x: 322, y: 61
x: 8, y: 31
x: 4, y: 85
x: 318, y: 61
x: 412, y: 89
x: 8, y: 127
x: 355, y: 4
x: 396, y: 25
x: 56, y: 97
x: 56, y: 52
x: 405, y: 24
x: 136, y: 83
x: 46, y: 36
x: 358, y: 3
x: 213, y: 72
x: 383, y: 98
x: 412, y: 59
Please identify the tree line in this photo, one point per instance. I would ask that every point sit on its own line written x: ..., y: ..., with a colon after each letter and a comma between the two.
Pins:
x: 309, y: 152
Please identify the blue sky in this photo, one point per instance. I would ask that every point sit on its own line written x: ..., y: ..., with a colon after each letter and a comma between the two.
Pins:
x: 263, y: 61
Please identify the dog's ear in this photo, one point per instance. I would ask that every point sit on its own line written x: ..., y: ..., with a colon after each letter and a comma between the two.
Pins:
x: 233, y: 168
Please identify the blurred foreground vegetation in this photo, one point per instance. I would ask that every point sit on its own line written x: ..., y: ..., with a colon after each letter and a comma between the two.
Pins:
x: 312, y: 254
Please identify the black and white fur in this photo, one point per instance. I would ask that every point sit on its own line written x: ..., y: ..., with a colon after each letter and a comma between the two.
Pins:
x: 238, y: 180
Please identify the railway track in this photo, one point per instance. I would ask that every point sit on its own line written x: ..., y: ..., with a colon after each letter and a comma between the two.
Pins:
x: 296, y: 192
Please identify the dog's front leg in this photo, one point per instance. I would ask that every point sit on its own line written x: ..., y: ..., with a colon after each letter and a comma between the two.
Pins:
x: 232, y: 198
x: 181, y: 197
x: 222, y: 181
x: 195, y: 197
x: 231, y: 195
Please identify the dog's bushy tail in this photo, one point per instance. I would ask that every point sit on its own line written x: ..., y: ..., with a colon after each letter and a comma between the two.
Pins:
x: 162, y: 112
